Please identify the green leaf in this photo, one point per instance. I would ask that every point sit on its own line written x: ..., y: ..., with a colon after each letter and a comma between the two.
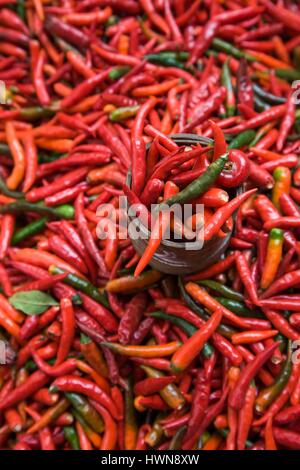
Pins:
x: 33, y: 302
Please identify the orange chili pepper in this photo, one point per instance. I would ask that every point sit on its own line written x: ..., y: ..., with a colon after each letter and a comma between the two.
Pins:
x: 160, y: 226
x: 154, y: 90
x: 247, y: 337
x: 273, y: 257
x: 84, y: 441
x: 159, y: 350
x: 282, y: 177
x: 189, y: 350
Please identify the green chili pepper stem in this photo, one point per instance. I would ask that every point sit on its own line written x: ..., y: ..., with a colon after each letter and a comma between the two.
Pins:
x: 276, y: 234
x: 84, y: 339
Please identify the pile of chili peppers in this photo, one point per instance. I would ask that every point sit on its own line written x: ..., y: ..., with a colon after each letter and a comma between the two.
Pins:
x: 101, y: 351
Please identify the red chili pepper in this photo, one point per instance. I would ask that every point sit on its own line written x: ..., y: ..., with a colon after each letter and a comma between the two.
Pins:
x: 199, y: 406
x: 263, y: 118
x: 6, y: 233
x: 131, y: 318
x: 237, y: 396
x: 35, y: 381
x: 86, y: 235
x: 184, y: 356
x: 205, y: 110
x: 222, y: 214
x: 68, y: 330
x: 239, y: 171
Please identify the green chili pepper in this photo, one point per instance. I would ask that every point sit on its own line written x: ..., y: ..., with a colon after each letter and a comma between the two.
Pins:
x: 229, y: 49
x: 178, y: 55
x: 169, y: 59
x: 4, y: 189
x: 85, y: 409
x: 82, y: 285
x: 221, y: 289
x: 126, y: 112
x: 177, y: 439
x: 283, y: 342
x: 243, y: 139
x: 257, y: 137
x: 269, y: 97
x: 201, y: 184
x: 36, y: 113
x: 288, y: 74
x: 190, y: 302
x: 239, y: 308
x: 29, y: 230
x: 71, y: 436
x: 4, y: 149
x: 21, y: 9
x: 260, y: 105
x: 297, y: 126
x: 65, y: 211
x: 118, y: 72
x: 31, y: 366
x: 269, y: 394
x: 296, y: 57
x: 187, y: 327
x: 293, y: 137
x: 227, y: 83
x: 225, y: 330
